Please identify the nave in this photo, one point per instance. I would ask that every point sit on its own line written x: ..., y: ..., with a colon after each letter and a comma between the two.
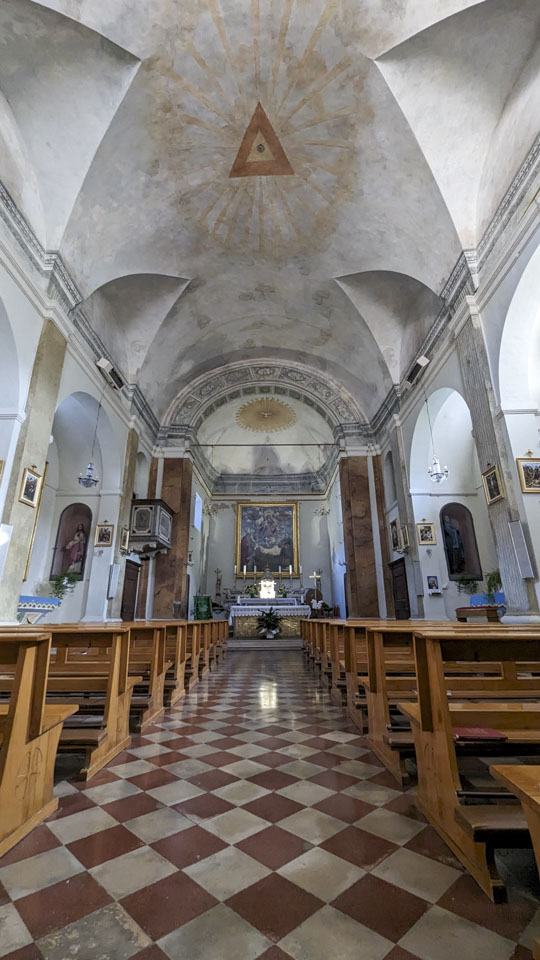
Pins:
x: 251, y: 822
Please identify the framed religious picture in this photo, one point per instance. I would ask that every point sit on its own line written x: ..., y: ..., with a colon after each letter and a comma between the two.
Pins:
x: 30, y: 487
x: 529, y: 474
x: 394, y: 534
x: 267, y: 537
x: 405, y: 536
x: 433, y: 584
x: 425, y: 533
x: 124, y: 540
x: 104, y: 535
x: 493, y: 487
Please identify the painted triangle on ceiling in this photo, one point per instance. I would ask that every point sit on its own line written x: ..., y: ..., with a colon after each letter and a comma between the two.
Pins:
x: 260, y: 153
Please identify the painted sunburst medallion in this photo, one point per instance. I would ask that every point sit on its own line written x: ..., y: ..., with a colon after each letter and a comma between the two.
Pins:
x: 265, y: 415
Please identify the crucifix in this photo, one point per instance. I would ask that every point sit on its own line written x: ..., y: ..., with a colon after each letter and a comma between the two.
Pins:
x: 316, y: 576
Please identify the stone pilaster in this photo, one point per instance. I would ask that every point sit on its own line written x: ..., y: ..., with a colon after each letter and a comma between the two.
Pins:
x: 491, y: 450
x: 31, y: 451
x: 124, y: 514
x: 362, y: 595
x: 171, y: 584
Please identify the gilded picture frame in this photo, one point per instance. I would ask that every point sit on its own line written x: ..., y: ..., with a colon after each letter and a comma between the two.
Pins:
x: 267, y: 536
x: 30, y: 487
x: 425, y: 534
x: 104, y: 535
x: 529, y: 474
x: 493, y: 485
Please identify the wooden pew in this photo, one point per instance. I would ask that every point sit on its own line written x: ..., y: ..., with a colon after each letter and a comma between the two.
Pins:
x: 524, y: 783
x: 206, y: 628
x: 175, y: 654
x: 29, y: 734
x: 222, y: 627
x: 89, y: 669
x: 193, y: 649
x: 391, y: 677
x: 336, y: 639
x: 473, y: 832
x: 147, y: 657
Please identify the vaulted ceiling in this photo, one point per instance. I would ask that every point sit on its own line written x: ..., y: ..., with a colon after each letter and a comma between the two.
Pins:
x: 318, y: 232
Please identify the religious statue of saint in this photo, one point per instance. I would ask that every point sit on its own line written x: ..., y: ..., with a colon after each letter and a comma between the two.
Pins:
x: 455, y: 548
x: 75, y: 550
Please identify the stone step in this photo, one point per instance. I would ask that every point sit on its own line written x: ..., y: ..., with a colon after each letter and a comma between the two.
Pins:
x: 262, y: 643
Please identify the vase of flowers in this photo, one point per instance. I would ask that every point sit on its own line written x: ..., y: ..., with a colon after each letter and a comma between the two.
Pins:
x: 269, y: 623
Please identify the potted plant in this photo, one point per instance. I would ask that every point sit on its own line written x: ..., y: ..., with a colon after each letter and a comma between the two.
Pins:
x: 252, y: 591
x: 269, y: 623
x: 494, y: 586
x: 282, y: 590
x: 64, y: 583
x: 467, y: 585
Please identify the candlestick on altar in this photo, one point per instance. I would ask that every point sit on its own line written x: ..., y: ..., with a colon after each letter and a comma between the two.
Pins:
x: 279, y: 568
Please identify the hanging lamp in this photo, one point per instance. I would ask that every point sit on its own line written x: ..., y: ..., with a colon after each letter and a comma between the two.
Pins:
x: 88, y: 479
x: 437, y: 473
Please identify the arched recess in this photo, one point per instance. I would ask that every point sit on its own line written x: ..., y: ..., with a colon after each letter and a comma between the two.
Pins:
x: 72, y: 538
x: 73, y: 433
x: 519, y: 377
x: 451, y: 439
x: 459, y: 541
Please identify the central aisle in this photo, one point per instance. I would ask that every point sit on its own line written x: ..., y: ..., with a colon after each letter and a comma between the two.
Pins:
x: 251, y: 823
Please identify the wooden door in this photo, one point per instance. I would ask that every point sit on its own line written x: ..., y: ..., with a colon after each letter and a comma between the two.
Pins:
x: 400, y: 590
x: 129, y: 596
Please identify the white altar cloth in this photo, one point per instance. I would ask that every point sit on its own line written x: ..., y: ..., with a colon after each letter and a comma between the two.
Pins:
x: 284, y: 610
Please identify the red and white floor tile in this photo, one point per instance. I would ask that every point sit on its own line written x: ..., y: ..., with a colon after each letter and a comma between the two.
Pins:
x: 252, y: 822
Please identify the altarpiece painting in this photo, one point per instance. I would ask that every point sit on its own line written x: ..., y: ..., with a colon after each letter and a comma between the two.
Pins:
x: 267, y: 536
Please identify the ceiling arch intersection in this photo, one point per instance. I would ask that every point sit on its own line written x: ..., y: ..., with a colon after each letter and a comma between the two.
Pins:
x: 211, y: 391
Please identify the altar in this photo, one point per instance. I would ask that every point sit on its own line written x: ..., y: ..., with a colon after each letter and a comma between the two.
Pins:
x: 243, y: 615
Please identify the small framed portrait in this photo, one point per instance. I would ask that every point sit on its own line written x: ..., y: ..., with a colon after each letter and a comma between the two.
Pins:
x: 394, y: 534
x: 529, y: 474
x: 405, y: 536
x: 425, y: 533
x: 433, y: 584
x: 124, y: 540
x: 30, y: 487
x: 493, y: 487
x: 104, y: 535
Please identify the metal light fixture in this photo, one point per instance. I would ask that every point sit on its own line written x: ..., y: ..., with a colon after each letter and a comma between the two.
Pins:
x: 88, y: 479
x: 437, y: 473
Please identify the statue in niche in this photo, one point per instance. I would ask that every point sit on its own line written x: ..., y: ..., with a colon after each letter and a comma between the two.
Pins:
x: 75, y: 550
x: 453, y: 543
x: 459, y: 538
x: 72, y: 540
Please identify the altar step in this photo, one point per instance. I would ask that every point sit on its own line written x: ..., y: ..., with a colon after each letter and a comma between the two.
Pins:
x: 261, y: 643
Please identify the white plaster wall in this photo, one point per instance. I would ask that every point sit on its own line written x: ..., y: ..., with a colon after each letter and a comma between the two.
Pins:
x: 314, y: 536
x: 20, y: 330
x: 454, y: 443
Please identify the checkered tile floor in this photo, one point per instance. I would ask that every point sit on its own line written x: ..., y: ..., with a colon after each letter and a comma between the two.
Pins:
x: 252, y: 822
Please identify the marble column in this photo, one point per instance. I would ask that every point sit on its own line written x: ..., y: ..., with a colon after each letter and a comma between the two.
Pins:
x: 491, y: 450
x: 171, y: 583
x: 124, y: 515
x: 362, y: 595
x: 31, y: 451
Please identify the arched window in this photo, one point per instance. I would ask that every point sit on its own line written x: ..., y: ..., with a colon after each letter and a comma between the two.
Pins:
x: 459, y: 540
x: 72, y: 540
